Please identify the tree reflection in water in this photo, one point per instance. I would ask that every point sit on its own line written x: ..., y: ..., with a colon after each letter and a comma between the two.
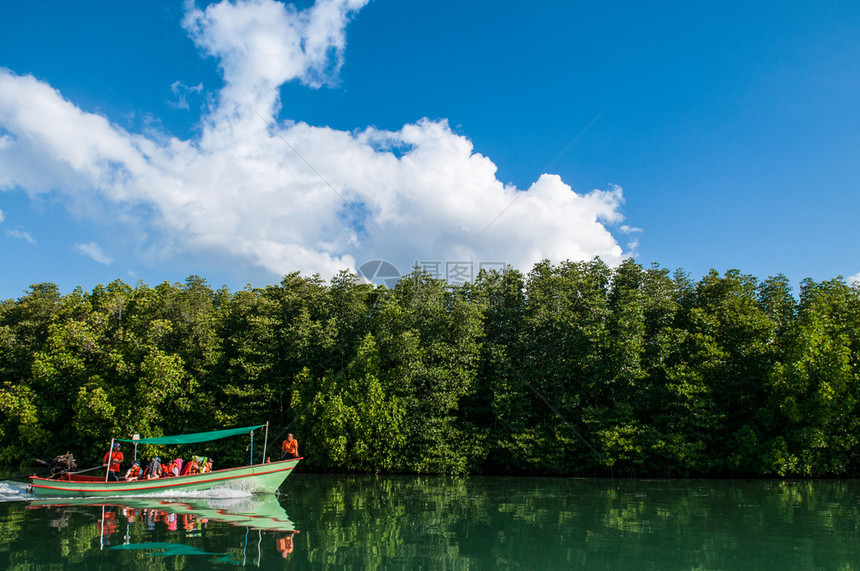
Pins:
x: 379, y: 522
x: 442, y: 522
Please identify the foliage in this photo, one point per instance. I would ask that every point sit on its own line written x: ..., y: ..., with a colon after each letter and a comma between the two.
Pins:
x: 575, y: 368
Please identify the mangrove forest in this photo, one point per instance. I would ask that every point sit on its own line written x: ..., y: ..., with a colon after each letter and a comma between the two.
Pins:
x: 577, y: 368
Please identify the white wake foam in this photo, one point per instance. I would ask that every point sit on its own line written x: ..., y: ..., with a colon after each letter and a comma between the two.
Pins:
x: 218, y: 492
x: 13, y: 492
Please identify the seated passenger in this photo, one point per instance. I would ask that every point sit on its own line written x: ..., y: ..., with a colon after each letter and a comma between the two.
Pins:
x: 153, y: 471
x: 192, y: 466
x: 133, y: 473
x: 206, y: 466
x: 176, y: 467
x: 166, y: 469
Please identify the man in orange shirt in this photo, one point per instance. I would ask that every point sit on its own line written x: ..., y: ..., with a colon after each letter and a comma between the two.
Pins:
x: 112, y: 460
x: 290, y: 448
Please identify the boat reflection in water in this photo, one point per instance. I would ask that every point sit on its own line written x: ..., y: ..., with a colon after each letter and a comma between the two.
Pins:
x: 167, y: 527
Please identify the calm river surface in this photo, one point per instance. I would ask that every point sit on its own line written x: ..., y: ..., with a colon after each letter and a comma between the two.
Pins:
x: 365, y: 522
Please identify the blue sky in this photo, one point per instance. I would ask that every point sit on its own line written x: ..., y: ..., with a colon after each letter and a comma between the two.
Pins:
x: 149, y: 140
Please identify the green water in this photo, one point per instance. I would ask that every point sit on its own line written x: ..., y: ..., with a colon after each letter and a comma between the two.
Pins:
x: 367, y: 522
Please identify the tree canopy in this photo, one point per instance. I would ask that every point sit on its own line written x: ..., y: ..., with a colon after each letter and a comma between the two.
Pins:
x: 576, y: 368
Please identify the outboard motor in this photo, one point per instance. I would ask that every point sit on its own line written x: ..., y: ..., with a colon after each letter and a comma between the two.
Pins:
x: 61, y: 465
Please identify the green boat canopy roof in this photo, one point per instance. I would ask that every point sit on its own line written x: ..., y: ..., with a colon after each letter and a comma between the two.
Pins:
x: 192, y: 438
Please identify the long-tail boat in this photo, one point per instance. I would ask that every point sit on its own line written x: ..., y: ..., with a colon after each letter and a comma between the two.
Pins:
x: 265, y: 477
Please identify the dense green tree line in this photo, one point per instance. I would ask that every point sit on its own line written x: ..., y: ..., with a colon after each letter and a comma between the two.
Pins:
x: 576, y: 368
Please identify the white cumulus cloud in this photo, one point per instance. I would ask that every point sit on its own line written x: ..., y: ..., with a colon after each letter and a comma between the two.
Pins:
x: 181, y: 92
x: 293, y: 196
x: 19, y: 234
x: 93, y: 251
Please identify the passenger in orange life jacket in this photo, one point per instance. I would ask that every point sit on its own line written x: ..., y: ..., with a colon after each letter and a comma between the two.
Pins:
x: 192, y: 466
x: 166, y: 470
x: 133, y: 473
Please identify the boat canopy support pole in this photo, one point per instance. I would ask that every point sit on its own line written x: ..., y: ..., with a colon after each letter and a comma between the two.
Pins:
x: 251, y: 463
x: 265, y: 444
x: 107, y: 468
